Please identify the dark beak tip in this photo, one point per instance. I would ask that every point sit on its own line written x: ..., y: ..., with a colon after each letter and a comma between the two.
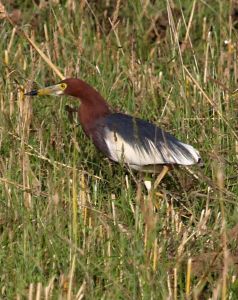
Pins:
x: 31, y: 93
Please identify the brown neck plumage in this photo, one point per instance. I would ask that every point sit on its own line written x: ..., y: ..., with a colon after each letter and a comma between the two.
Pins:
x: 92, y: 107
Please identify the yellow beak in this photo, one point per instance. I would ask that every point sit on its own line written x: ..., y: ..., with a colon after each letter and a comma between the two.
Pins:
x: 50, y: 90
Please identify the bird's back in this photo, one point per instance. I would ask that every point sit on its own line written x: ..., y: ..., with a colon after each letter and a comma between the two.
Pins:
x: 139, y: 143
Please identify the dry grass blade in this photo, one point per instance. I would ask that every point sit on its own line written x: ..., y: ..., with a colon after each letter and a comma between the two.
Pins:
x: 43, y: 56
x: 211, y: 102
x: 35, y: 153
x: 23, y: 188
x: 97, y: 234
x: 4, y: 14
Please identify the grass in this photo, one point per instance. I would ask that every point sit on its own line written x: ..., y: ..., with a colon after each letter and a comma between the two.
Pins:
x: 71, y: 225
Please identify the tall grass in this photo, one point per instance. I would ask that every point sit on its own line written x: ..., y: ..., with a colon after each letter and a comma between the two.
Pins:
x: 73, y: 225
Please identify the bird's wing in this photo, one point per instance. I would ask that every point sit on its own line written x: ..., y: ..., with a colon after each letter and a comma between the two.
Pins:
x: 137, y: 142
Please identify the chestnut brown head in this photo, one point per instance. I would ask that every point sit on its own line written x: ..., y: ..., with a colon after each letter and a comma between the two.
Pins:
x: 71, y: 86
x: 93, y: 103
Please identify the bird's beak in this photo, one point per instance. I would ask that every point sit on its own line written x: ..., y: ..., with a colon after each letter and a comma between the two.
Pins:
x: 50, y: 90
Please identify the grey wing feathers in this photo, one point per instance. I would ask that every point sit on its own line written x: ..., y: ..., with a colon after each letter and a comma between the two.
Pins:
x: 143, y: 143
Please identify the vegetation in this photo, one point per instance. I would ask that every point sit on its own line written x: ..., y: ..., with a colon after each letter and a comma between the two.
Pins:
x: 73, y: 225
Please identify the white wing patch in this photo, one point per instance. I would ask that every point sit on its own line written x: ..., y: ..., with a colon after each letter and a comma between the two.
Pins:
x: 137, y: 155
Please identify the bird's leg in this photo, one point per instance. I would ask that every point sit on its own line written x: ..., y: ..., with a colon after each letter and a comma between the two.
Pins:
x: 150, y: 216
x: 139, y: 190
x: 160, y: 176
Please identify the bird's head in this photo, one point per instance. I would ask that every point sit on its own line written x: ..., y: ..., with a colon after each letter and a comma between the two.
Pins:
x: 69, y: 86
x: 77, y: 88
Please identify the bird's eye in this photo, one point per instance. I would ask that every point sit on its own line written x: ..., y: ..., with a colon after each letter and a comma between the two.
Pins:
x: 63, y: 86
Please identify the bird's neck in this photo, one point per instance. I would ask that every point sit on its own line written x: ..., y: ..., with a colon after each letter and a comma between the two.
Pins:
x: 92, y: 109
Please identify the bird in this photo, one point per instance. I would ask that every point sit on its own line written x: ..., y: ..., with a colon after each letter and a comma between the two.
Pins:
x: 135, y: 142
